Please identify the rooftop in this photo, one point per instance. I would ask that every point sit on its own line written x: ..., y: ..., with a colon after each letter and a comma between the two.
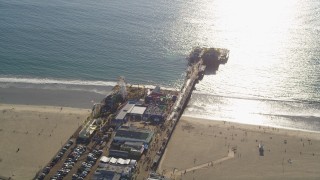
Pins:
x: 132, y: 134
x: 88, y: 129
x: 136, y: 134
x: 112, y: 160
x: 125, y: 110
x: 138, y: 110
x: 154, y: 110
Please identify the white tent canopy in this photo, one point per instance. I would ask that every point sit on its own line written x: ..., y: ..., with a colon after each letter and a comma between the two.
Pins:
x: 104, y: 159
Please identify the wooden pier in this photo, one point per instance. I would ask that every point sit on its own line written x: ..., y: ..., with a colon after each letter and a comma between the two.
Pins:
x: 201, y: 60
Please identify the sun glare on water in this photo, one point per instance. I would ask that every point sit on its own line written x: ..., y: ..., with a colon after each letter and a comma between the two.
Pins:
x: 258, y: 34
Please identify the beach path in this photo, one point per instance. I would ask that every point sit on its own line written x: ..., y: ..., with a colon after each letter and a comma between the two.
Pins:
x: 205, y: 165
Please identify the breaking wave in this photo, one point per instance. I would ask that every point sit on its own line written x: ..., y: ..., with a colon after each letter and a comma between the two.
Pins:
x: 55, y: 81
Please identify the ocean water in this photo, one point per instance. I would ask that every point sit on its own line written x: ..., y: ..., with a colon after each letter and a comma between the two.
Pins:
x: 272, y: 77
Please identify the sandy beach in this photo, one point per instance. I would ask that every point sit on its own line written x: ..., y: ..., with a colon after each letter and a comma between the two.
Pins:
x: 205, y: 149
x: 31, y: 135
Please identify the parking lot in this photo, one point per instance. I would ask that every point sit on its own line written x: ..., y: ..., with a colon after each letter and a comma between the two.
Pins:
x: 74, y: 161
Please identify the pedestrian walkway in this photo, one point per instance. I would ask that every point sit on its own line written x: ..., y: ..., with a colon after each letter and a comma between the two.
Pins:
x: 211, y: 163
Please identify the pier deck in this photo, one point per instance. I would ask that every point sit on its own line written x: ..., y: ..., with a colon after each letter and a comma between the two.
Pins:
x: 199, y: 61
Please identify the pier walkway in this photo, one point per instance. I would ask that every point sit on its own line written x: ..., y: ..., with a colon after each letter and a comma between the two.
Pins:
x: 193, y: 75
x: 195, y: 72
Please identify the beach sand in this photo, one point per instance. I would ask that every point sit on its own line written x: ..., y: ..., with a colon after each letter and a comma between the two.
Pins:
x: 31, y: 135
x: 202, y: 149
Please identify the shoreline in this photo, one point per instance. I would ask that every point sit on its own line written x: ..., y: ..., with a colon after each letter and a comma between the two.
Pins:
x: 17, y: 119
x: 247, y: 124
x: 49, y: 97
x: 31, y: 135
